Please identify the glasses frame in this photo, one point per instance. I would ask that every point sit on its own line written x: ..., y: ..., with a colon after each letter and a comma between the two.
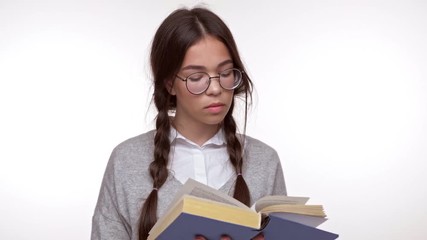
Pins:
x: 209, y: 81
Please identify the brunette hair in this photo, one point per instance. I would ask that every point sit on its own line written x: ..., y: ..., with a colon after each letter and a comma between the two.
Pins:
x: 178, y: 32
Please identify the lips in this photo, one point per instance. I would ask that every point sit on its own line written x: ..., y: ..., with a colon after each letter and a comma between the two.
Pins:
x: 215, y: 108
x: 213, y: 105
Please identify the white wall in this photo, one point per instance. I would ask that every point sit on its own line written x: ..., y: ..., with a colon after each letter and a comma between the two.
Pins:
x: 341, y: 95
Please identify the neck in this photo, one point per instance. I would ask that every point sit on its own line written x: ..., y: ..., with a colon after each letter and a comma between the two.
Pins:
x: 196, y: 133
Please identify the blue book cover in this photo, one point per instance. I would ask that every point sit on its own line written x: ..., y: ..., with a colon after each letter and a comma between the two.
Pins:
x: 279, y: 229
x: 187, y: 226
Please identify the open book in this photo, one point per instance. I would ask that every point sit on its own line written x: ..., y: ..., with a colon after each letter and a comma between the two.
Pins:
x: 199, y: 209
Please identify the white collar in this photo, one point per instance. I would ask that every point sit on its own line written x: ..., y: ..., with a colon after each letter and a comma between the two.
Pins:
x: 217, y: 139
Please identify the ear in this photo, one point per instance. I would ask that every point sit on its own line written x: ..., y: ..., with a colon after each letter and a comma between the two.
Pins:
x: 170, y: 87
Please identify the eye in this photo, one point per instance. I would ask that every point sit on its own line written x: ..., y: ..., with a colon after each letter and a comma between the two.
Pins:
x: 195, y: 77
x: 227, y: 73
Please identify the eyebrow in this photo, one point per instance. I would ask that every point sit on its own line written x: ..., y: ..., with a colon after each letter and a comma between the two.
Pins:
x: 199, y: 67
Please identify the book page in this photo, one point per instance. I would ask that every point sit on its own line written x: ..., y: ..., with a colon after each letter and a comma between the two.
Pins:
x: 195, y: 188
x: 278, y: 199
x: 313, y: 210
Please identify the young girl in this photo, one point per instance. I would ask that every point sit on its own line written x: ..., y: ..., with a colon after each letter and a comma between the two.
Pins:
x: 197, y: 75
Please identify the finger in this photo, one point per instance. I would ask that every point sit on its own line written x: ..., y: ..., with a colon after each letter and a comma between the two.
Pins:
x: 199, y: 237
x: 259, y: 237
x: 225, y: 237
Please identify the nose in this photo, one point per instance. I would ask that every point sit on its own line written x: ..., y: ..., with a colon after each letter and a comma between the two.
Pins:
x: 214, y: 86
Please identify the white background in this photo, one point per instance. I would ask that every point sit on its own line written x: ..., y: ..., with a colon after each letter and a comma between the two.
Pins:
x: 341, y: 94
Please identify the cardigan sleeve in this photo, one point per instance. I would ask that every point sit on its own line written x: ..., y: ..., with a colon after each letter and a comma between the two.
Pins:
x: 279, y: 186
x: 107, y: 221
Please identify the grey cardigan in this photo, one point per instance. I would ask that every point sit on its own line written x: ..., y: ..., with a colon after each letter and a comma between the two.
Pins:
x: 127, y: 183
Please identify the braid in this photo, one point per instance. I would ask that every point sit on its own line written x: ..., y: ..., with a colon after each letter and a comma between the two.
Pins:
x: 234, y: 148
x: 159, y: 173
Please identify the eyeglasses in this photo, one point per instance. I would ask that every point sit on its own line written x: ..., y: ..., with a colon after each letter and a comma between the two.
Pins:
x: 197, y: 83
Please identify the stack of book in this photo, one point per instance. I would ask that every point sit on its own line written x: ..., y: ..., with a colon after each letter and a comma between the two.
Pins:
x: 200, y: 210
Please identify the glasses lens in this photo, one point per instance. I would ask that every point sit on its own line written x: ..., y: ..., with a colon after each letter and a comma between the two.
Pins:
x: 230, y: 78
x: 197, y: 82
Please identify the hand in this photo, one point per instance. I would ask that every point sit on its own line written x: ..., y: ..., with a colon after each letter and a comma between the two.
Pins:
x: 259, y: 237
x: 223, y: 237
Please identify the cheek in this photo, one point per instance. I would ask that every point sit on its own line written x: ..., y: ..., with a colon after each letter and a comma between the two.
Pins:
x: 184, y: 96
x: 230, y: 97
x: 180, y: 89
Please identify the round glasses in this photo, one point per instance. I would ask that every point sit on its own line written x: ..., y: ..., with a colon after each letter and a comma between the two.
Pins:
x: 197, y: 83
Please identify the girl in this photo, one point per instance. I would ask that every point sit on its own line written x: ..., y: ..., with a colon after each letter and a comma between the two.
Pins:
x: 197, y: 75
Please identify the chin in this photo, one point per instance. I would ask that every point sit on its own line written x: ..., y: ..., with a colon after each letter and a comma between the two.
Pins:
x: 215, y: 120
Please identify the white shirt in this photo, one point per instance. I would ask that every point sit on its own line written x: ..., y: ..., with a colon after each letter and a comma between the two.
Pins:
x: 208, y: 164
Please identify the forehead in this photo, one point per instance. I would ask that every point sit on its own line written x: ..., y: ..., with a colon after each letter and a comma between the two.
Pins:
x: 208, y: 52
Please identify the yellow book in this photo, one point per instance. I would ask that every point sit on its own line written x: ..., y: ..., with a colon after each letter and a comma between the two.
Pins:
x: 199, y: 209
